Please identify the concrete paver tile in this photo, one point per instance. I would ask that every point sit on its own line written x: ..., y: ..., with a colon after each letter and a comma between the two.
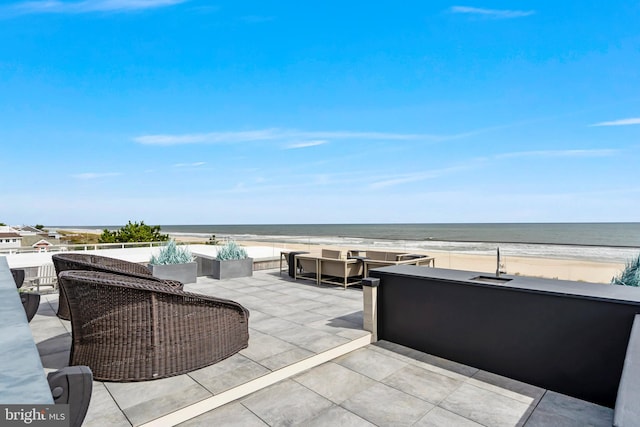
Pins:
x: 335, y: 382
x: 485, y: 407
x: 332, y: 310
x: 312, y: 339
x: 336, y: 416
x: 103, y: 411
x: 386, y: 406
x: 422, y: 383
x: 304, y: 317
x: 560, y: 410
x: 229, y: 373
x: 56, y: 344
x: 146, y: 400
x: 525, y: 393
x: 334, y: 325
x: 55, y: 361
x: 449, y: 365
x: 262, y: 346
x: 371, y: 363
x: 438, y: 417
x: 273, y: 325
x: 286, y: 403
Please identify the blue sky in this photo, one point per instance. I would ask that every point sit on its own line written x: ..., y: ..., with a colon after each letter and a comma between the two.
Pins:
x: 221, y: 112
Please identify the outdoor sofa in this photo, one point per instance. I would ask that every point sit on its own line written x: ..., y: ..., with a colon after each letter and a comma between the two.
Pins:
x: 344, y: 269
x: 330, y: 268
x: 375, y: 259
x: 129, y: 328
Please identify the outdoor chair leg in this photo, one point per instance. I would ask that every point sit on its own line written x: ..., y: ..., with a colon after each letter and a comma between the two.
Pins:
x: 73, y: 386
x: 18, y: 276
x: 30, y: 303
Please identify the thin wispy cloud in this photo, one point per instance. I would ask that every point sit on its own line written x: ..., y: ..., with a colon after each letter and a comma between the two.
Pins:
x: 305, y: 144
x: 189, y: 165
x: 207, y: 138
x: 85, y: 6
x: 415, y: 177
x: 407, y: 178
x: 95, y: 175
x: 621, y: 122
x: 277, y: 135
x: 491, y: 13
x: 560, y: 153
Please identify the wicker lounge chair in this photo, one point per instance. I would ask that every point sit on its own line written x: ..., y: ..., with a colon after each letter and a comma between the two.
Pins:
x: 131, y: 329
x: 88, y: 262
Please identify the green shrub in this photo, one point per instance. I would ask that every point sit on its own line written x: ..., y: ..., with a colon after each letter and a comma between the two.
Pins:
x: 630, y: 276
x: 172, y: 254
x: 134, y: 232
x: 231, y: 251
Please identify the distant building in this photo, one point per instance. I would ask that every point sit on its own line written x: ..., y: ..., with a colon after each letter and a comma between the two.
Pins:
x: 42, y: 245
x: 54, y: 234
x: 26, y: 230
x: 10, y: 240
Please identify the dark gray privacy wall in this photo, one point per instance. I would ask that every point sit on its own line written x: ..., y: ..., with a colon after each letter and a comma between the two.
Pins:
x: 565, y: 336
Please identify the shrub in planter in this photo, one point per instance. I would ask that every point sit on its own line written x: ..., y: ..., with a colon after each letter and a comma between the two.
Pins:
x: 232, y: 261
x: 630, y: 276
x: 174, y: 263
x: 231, y: 251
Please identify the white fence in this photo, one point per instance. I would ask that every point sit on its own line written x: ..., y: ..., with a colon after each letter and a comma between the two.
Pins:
x: 79, y: 247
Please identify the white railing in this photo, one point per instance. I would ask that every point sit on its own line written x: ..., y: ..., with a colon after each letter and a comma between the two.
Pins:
x: 79, y: 247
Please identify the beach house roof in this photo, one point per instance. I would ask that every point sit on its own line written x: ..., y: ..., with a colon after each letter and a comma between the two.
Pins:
x: 27, y: 230
x: 41, y: 244
x: 10, y: 235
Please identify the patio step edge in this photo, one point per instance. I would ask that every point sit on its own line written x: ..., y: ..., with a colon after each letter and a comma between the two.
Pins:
x: 257, y: 384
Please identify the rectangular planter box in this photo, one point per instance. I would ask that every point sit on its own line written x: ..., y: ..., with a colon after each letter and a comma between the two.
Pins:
x: 185, y: 273
x: 232, y: 268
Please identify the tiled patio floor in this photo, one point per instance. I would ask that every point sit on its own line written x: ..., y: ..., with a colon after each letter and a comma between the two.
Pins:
x: 311, y: 364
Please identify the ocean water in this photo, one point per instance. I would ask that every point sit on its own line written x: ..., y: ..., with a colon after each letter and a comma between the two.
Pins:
x: 611, y: 242
x: 614, y: 242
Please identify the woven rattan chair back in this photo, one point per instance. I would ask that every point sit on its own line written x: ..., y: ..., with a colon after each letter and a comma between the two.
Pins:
x: 131, y: 329
x: 89, y: 262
